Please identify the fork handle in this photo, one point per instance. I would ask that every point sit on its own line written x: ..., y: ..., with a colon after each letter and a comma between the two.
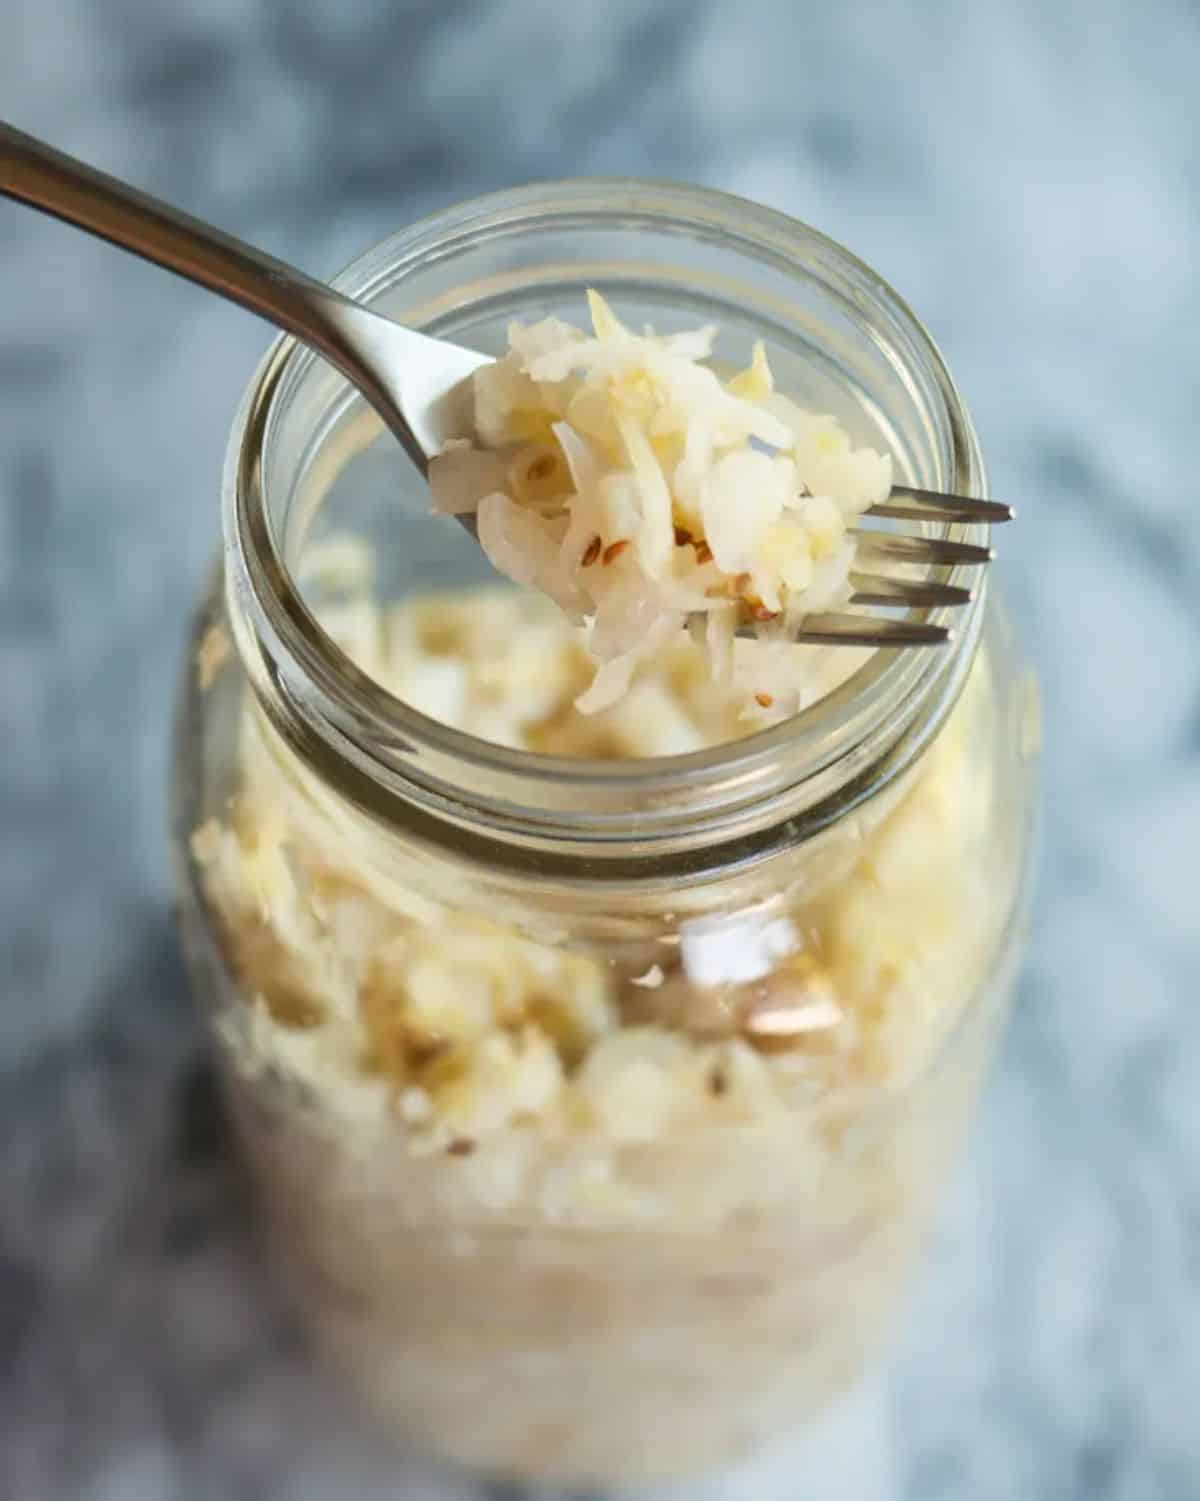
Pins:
x: 33, y: 173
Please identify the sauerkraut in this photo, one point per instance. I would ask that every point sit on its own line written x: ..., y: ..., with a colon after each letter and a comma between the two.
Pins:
x: 465, y: 1028
x: 575, y: 1207
x: 622, y: 477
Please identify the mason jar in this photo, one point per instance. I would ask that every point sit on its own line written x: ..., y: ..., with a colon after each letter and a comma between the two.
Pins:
x: 501, y: 1028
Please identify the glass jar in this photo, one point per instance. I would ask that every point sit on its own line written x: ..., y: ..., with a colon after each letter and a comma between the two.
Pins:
x: 501, y: 1030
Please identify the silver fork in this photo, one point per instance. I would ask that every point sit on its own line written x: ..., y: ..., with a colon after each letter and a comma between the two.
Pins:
x: 420, y: 386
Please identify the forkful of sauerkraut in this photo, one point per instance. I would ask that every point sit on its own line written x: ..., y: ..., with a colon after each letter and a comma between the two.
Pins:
x: 620, y: 475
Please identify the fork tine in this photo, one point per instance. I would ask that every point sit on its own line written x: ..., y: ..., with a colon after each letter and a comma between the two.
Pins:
x: 876, y: 589
x: 861, y: 630
x: 909, y: 504
x: 920, y: 549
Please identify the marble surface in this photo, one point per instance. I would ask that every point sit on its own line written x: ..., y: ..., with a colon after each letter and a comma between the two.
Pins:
x: 1029, y: 176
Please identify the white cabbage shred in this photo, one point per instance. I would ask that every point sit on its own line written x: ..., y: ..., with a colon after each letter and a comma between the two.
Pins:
x: 620, y: 476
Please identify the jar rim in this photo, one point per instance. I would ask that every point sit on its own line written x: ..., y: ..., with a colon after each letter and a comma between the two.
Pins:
x: 393, y: 760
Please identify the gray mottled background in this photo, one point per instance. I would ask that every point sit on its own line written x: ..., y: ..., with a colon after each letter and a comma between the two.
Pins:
x: 1028, y: 174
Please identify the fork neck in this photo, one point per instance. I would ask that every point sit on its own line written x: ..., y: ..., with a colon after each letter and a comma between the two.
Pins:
x: 840, y: 339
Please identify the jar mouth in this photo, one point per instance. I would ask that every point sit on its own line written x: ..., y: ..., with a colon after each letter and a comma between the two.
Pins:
x: 378, y: 748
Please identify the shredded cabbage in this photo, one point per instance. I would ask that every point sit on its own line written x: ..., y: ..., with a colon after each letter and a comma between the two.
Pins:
x: 620, y: 476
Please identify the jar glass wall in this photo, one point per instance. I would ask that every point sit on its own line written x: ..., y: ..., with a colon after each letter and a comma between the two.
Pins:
x: 599, y: 1104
